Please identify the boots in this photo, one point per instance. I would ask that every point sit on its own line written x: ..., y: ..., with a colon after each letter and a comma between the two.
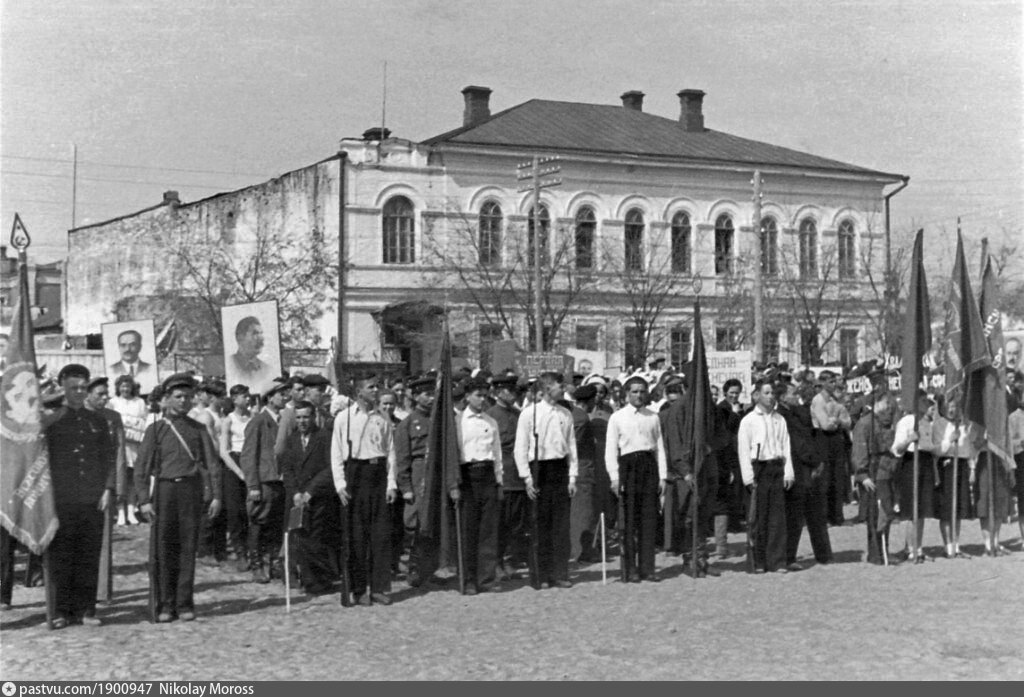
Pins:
x: 259, y: 568
x: 721, y: 536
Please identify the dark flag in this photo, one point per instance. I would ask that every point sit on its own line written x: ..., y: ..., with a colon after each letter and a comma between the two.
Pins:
x: 442, y: 462
x: 699, y: 420
x: 993, y: 387
x: 27, y: 510
x: 966, y: 351
x: 917, y: 337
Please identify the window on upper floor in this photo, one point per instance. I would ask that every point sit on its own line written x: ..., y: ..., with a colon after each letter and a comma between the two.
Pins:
x: 634, y: 240
x: 847, y: 242
x: 724, y: 234
x: 545, y: 229
x: 399, y: 231
x: 586, y: 227
x: 808, y: 239
x: 681, y: 244
x: 489, y: 244
x: 769, y: 247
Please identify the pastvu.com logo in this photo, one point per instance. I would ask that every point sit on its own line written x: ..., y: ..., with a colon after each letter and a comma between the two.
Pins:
x: 9, y: 689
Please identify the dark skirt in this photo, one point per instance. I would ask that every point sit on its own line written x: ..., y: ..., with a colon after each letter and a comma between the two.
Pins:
x: 1000, y: 488
x: 944, y: 496
x: 925, y: 486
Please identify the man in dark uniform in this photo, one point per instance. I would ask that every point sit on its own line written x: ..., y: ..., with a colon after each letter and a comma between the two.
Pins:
x: 806, y: 499
x: 265, y: 502
x: 515, y: 508
x: 83, y: 471
x: 410, y: 456
x: 582, y: 506
x: 875, y: 469
x: 306, y: 467
x: 178, y: 452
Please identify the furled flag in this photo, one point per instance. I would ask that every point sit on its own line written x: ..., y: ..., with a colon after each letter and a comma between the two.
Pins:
x: 997, y: 432
x: 699, y: 421
x: 442, y: 463
x: 27, y: 508
x: 966, y: 352
x: 917, y: 337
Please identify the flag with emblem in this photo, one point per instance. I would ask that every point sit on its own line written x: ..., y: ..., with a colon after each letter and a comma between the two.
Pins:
x: 27, y: 511
x: 993, y: 377
x: 966, y: 351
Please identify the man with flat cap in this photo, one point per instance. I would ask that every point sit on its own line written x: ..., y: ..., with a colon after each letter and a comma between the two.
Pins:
x: 316, y: 394
x: 178, y: 453
x: 637, y: 465
x: 546, y: 459
x: 410, y: 461
x: 83, y: 472
x: 265, y: 501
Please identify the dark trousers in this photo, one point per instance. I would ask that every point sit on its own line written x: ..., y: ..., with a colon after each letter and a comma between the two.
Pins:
x: 179, y: 507
x: 837, y: 474
x: 236, y: 520
x: 514, y: 527
x: 552, y: 508
x: 316, y: 547
x: 75, y: 558
x: 213, y: 538
x: 878, y: 514
x: 707, y: 507
x: 396, y: 523
x: 639, y: 473
x: 805, y: 504
x: 582, y: 518
x: 7, y: 547
x: 266, y: 522
x: 370, y: 550
x: 769, y: 523
x: 478, y: 499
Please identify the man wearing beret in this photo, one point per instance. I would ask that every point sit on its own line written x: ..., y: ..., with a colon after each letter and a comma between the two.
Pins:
x: 410, y: 456
x: 83, y: 472
x: 178, y: 453
x: 265, y: 502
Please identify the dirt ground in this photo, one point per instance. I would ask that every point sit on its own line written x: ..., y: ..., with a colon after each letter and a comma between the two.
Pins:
x: 943, y: 620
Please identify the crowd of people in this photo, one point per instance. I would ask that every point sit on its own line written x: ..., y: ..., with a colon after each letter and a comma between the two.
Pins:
x: 546, y: 470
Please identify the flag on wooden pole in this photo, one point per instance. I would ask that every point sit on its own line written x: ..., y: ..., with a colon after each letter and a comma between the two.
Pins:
x: 966, y: 351
x: 917, y: 337
x: 993, y: 382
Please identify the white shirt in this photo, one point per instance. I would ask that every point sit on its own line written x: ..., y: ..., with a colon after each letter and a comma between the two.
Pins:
x: 763, y: 436
x: 555, y: 435
x: 372, y: 436
x: 479, y: 440
x: 965, y: 449
x: 827, y: 414
x: 236, y: 430
x: 901, y: 440
x: 1016, y: 428
x: 632, y: 430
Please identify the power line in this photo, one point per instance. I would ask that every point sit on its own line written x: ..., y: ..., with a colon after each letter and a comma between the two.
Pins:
x: 120, y: 181
x: 144, y: 167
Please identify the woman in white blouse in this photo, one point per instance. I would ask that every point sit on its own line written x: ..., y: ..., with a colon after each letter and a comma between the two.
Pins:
x: 132, y: 408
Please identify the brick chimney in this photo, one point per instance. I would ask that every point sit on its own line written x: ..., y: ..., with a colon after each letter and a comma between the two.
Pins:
x: 634, y: 99
x: 478, y: 108
x: 692, y: 114
x: 171, y: 198
x: 376, y: 133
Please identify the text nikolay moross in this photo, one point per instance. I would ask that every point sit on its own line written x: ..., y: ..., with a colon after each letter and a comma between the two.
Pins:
x: 200, y: 690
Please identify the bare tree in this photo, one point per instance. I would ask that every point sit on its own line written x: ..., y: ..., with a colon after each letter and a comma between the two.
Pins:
x: 887, y: 289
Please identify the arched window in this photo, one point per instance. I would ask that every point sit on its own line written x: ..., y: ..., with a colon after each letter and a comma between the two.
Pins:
x: 681, y: 243
x: 847, y: 250
x: 399, y: 232
x: 634, y: 250
x: 545, y: 227
x: 723, y: 244
x: 808, y: 249
x: 586, y: 225
x: 490, y: 234
x: 769, y: 247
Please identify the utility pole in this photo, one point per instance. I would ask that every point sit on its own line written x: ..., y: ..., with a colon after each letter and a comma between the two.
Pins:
x: 758, y: 271
x: 536, y: 171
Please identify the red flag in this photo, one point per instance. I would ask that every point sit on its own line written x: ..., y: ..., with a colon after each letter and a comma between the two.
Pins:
x: 699, y: 418
x: 27, y: 508
x: 917, y: 337
x: 966, y: 351
x: 442, y: 460
x: 993, y: 383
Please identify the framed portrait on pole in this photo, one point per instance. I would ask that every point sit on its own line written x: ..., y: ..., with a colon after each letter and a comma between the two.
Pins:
x: 129, y: 348
x: 252, y: 344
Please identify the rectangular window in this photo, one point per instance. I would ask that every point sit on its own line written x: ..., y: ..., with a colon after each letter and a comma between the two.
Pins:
x: 587, y: 337
x: 489, y: 333
x: 727, y: 339
x: 460, y: 345
x: 632, y: 342
x: 680, y: 345
x: 771, y: 346
x: 547, y: 338
x: 810, y: 351
x: 848, y: 346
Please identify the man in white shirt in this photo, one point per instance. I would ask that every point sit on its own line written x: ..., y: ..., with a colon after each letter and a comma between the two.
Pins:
x: 637, y: 466
x: 766, y: 465
x: 480, y: 490
x: 546, y: 459
x: 363, y: 465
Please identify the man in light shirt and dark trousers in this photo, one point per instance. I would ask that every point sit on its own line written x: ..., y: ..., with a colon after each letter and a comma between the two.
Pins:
x: 767, y: 468
x: 832, y: 421
x: 363, y: 465
x: 635, y: 451
x: 545, y: 453
x: 480, y: 491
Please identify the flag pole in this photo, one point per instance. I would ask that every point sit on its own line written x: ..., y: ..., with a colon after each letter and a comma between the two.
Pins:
x: 954, y: 532
x: 604, y: 558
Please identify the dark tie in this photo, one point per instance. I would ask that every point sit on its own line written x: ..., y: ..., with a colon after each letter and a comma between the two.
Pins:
x: 131, y: 370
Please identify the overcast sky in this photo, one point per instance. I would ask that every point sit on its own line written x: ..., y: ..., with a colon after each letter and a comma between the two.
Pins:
x: 205, y: 96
